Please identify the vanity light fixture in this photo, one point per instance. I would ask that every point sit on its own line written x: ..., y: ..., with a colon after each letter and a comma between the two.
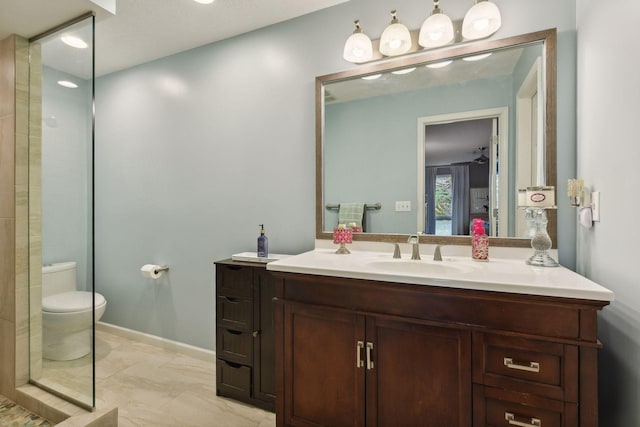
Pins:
x: 440, y: 64
x: 404, y: 71
x: 437, y: 29
x: 395, y: 39
x: 358, y: 47
x: 204, y: 1
x: 74, y: 41
x: 67, y: 83
x: 477, y: 57
x: 482, y: 20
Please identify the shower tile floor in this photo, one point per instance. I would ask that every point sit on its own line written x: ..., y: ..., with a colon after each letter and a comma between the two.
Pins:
x: 153, y: 387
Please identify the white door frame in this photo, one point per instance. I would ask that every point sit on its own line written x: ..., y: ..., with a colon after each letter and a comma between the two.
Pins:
x: 530, y: 165
x: 502, y: 113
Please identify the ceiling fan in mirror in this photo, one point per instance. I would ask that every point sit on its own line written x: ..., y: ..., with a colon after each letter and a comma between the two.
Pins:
x: 482, y: 159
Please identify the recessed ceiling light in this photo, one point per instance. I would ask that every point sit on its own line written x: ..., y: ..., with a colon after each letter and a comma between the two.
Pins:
x: 74, y: 41
x: 477, y: 57
x: 403, y: 71
x: 204, y: 1
x: 372, y: 77
x: 67, y: 83
x: 441, y: 64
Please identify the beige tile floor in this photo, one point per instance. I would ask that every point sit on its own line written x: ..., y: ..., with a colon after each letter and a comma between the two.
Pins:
x: 154, y: 387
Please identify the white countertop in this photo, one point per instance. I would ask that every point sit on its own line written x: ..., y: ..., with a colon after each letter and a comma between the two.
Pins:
x: 498, y: 274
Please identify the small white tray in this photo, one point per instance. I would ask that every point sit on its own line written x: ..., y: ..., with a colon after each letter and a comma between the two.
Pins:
x: 253, y: 257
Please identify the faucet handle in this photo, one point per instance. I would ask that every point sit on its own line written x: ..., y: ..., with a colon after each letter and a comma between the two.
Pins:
x: 396, y: 251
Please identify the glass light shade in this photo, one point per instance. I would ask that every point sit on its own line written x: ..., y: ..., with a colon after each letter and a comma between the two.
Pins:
x: 436, y: 31
x: 477, y: 57
x: 441, y: 64
x: 395, y: 40
x: 482, y: 20
x: 404, y: 71
x: 358, y: 48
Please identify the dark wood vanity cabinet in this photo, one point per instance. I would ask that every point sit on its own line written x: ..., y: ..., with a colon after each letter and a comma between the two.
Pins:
x: 245, y: 351
x: 354, y: 352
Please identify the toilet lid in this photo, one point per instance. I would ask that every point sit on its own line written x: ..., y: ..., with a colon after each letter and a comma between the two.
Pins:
x: 70, y: 301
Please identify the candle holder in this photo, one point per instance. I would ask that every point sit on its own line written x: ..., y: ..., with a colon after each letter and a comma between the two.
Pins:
x: 540, y: 242
x: 342, y: 236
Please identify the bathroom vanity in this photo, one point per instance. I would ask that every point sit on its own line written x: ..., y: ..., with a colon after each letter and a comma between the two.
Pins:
x: 245, y: 353
x: 365, y: 340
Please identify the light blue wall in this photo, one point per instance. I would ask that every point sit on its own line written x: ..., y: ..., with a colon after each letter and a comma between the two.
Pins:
x: 608, y: 159
x: 66, y: 173
x: 195, y: 150
x: 383, y: 130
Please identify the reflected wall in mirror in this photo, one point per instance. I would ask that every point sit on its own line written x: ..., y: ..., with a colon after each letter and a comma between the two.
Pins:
x: 450, y: 138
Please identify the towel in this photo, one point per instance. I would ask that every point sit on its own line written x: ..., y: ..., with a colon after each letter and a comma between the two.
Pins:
x: 351, y: 212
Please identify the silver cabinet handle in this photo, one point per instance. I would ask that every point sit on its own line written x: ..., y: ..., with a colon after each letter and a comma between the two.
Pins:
x: 369, y: 361
x: 532, y: 367
x: 511, y: 419
x: 359, y: 361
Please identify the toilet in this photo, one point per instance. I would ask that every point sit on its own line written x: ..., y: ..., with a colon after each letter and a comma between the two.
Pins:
x: 67, y: 313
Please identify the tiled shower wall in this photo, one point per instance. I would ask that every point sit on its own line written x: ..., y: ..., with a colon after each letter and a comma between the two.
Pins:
x: 14, y: 214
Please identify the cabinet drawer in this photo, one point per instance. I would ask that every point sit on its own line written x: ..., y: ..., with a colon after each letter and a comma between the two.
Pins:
x: 234, y: 281
x: 235, y: 346
x: 538, y: 367
x: 235, y: 313
x: 233, y: 380
x: 502, y: 408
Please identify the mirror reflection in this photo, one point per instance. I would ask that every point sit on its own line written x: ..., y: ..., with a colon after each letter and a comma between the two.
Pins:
x: 430, y: 146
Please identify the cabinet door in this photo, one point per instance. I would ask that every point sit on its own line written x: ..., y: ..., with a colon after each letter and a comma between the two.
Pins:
x: 421, y: 375
x: 322, y: 375
x: 264, y: 376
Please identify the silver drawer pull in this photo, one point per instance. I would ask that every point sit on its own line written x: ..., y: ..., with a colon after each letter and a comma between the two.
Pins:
x: 359, y: 361
x: 369, y: 359
x: 535, y: 422
x: 532, y: 367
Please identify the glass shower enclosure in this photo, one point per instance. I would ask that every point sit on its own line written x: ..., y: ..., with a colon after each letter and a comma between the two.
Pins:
x: 61, y: 145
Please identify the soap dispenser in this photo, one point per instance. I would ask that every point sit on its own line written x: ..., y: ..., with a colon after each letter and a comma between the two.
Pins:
x: 479, y: 241
x: 263, y: 243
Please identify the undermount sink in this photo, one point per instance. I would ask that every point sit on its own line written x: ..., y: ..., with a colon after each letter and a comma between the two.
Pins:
x: 419, y: 267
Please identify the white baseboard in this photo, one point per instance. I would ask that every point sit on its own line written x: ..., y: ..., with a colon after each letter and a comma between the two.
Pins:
x: 163, y: 343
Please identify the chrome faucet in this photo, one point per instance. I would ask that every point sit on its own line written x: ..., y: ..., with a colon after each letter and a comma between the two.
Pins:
x: 437, y: 255
x: 414, y: 239
x: 396, y: 251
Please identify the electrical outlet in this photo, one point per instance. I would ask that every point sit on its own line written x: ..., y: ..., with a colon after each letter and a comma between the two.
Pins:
x: 595, y: 206
x: 404, y: 206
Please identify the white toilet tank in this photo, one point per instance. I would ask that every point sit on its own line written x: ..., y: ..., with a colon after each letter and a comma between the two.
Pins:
x: 58, y: 278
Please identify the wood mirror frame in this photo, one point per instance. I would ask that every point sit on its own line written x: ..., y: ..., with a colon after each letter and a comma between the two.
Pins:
x: 549, y: 40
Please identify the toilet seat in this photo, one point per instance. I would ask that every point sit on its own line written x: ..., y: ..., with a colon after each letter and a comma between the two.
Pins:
x: 70, y: 302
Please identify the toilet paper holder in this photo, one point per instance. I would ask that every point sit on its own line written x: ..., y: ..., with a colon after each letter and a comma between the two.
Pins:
x: 153, y: 271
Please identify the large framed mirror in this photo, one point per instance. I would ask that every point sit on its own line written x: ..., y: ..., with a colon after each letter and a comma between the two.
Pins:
x: 428, y: 142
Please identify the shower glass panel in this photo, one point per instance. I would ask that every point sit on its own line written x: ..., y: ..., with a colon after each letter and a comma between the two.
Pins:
x: 62, y: 298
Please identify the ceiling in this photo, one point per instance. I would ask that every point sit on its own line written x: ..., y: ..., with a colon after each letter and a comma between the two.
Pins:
x: 144, y: 30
